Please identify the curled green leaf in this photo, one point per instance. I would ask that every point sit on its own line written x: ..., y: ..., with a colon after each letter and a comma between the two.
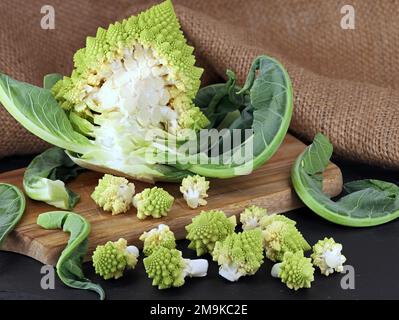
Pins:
x: 69, y: 265
x: 369, y: 202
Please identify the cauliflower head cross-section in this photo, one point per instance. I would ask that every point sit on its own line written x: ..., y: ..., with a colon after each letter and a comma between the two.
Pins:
x: 194, y: 190
x: 239, y: 254
x: 113, y: 194
x: 327, y: 256
x: 155, y: 202
x: 160, y: 236
x: 250, y: 218
x: 207, y: 228
x: 113, y: 258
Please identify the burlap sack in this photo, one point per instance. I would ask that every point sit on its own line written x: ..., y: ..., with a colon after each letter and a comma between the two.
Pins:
x: 345, y: 81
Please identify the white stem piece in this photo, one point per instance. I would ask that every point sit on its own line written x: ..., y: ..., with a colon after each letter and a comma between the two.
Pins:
x: 230, y: 272
x: 196, y: 267
x: 133, y: 250
x: 276, y: 270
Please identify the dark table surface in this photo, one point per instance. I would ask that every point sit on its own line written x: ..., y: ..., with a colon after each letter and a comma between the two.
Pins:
x: 373, y: 253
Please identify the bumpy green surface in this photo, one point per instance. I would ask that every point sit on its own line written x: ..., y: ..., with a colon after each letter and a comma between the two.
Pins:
x: 154, y: 202
x: 158, y: 29
x: 281, y: 237
x: 269, y: 219
x: 243, y: 250
x: 158, y: 237
x: 320, y: 259
x: 296, y: 271
x: 207, y: 228
x: 112, y: 259
x: 251, y: 217
x: 165, y: 267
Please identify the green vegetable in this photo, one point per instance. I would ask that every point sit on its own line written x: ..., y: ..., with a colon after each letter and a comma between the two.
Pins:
x: 113, y: 258
x: 154, y: 202
x: 113, y: 194
x: 250, y: 218
x: 69, y: 265
x: 45, y: 176
x: 50, y: 80
x: 267, y: 220
x: 194, y: 190
x: 12, y: 207
x: 327, y: 256
x: 239, y: 254
x: 167, y: 268
x: 128, y: 105
x: 369, y: 202
x: 281, y: 237
x: 207, y: 228
x: 295, y: 270
x: 161, y: 236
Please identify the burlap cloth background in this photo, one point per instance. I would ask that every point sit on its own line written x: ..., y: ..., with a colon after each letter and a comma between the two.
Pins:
x: 345, y: 81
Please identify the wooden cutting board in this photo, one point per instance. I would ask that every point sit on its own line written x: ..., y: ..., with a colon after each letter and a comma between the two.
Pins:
x: 269, y: 187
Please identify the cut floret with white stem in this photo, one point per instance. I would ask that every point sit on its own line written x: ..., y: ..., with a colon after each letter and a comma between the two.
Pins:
x: 251, y: 217
x: 159, y: 236
x: 327, y: 256
x: 194, y: 190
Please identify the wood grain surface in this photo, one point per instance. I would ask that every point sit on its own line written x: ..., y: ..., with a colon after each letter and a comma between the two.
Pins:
x: 269, y: 187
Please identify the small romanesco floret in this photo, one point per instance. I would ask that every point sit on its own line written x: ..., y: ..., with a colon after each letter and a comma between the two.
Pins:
x: 167, y: 268
x: 251, y: 217
x: 113, y: 194
x: 280, y: 237
x: 194, y: 190
x: 240, y: 254
x: 327, y: 256
x: 161, y: 236
x: 207, y: 228
x: 296, y: 271
x: 266, y: 220
x: 113, y: 258
x: 154, y: 202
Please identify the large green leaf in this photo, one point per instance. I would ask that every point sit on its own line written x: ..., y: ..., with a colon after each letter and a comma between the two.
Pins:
x: 37, y: 110
x: 69, y: 265
x: 264, y: 105
x: 369, y: 202
x: 12, y: 207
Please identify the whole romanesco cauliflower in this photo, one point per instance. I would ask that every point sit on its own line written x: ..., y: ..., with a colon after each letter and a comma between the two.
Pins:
x: 251, y: 217
x: 207, y: 228
x: 154, y: 202
x: 194, y: 190
x: 239, y: 254
x: 113, y: 258
x: 296, y: 271
x: 133, y: 85
x: 327, y: 256
x: 280, y: 237
x: 113, y: 194
x: 158, y: 237
x: 167, y: 268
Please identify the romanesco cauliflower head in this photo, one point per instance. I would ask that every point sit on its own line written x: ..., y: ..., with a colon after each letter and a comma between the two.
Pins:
x: 194, y: 190
x: 113, y: 194
x: 167, y: 268
x: 327, y: 256
x: 281, y: 237
x: 207, y: 228
x: 113, y: 258
x: 296, y: 271
x: 154, y: 202
x: 133, y: 84
x: 266, y: 220
x: 251, y: 217
x: 240, y: 254
x: 160, y: 236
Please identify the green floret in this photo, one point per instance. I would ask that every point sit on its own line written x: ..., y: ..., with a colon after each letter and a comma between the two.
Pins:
x: 240, y: 254
x: 154, y: 202
x: 266, y: 220
x: 167, y: 268
x: 281, y: 237
x: 207, y: 228
x: 158, y: 237
x: 113, y: 194
x: 113, y: 258
x: 295, y: 270
x: 251, y: 216
x: 327, y: 256
x: 194, y: 190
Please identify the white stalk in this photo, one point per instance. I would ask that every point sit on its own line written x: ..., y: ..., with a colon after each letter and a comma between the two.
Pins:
x: 230, y: 272
x: 276, y: 270
x: 196, y: 268
x: 133, y: 250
